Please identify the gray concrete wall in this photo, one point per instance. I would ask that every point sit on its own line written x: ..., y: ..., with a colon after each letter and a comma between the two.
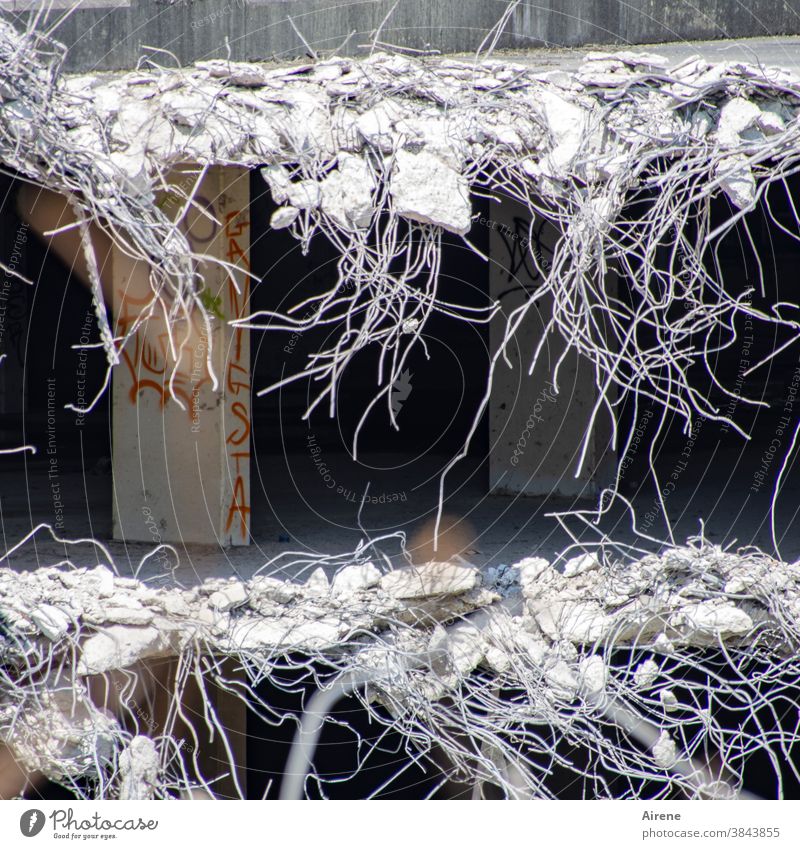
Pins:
x: 536, y: 433
x: 110, y: 34
x: 573, y: 23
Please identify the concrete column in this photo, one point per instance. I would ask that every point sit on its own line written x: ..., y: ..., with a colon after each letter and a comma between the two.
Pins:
x: 536, y: 434
x: 183, y: 475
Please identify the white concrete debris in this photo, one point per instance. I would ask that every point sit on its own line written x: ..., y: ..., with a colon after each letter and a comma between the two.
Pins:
x: 562, y: 680
x: 534, y: 648
x: 283, y: 217
x: 530, y: 570
x: 583, y: 607
x: 566, y: 121
x: 552, y: 629
x: 103, y: 580
x: 287, y: 632
x: 663, y: 644
x: 668, y: 699
x: 427, y: 190
x: 713, y: 619
x: 736, y: 117
x: 462, y: 647
x: 593, y: 674
x: 737, y: 180
x: 580, y: 564
x: 228, y: 597
x: 646, y: 674
x: 138, y: 768
x: 416, y: 122
x: 317, y: 583
x: 578, y: 622
x: 346, y: 193
x: 499, y: 642
x: 430, y: 579
x: 376, y: 125
x: 119, y: 646
x: 51, y: 621
x: 354, y: 578
x: 60, y: 732
x: 665, y: 752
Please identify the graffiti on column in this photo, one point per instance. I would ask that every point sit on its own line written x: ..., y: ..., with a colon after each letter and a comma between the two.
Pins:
x: 237, y: 371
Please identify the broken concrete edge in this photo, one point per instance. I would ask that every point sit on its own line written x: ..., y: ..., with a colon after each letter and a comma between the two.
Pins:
x: 531, y: 619
x: 685, y: 596
x: 428, y: 123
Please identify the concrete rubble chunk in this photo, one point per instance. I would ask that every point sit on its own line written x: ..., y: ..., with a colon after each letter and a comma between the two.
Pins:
x: 122, y: 609
x: 138, y: 767
x: 376, y: 125
x: 713, y: 619
x: 770, y: 120
x: 61, y: 733
x: 532, y: 572
x: 461, y: 650
x: 580, y: 564
x: 286, y: 633
x: 593, y: 673
x: 426, y: 190
x: 119, y: 646
x: 665, y: 752
x: 645, y: 674
x: 103, y: 579
x: 354, y: 578
x: 228, y: 597
x: 272, y: 590
x: 283, y: 217
x: 566, y: 122
x: 236, y: 73
x: 346, y: 193
x: 534, y: 647
x: 430, y: 579
x: 304, y: 194
x: 736, y: 116
x: 577, y: 622
x: 279, y: 180
x: 668, y: 699
x: 737, y: 180
x: 317, y: 583
x: 174, y: 603
x: 561, y: 680
x: 663, y: 644
x: 52, y: 621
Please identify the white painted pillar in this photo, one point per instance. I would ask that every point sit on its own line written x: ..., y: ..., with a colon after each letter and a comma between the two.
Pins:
x: 183, y: 476
x: 536, y: 435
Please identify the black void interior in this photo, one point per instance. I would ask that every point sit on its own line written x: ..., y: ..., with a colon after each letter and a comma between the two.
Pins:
x: 714, y: 473
x: 306, y: 470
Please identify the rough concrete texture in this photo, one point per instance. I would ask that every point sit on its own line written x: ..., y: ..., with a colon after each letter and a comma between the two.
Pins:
x: 226, y: 112
x: 589, y: 601
x: 122, y: 30
x: 418, y: 635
